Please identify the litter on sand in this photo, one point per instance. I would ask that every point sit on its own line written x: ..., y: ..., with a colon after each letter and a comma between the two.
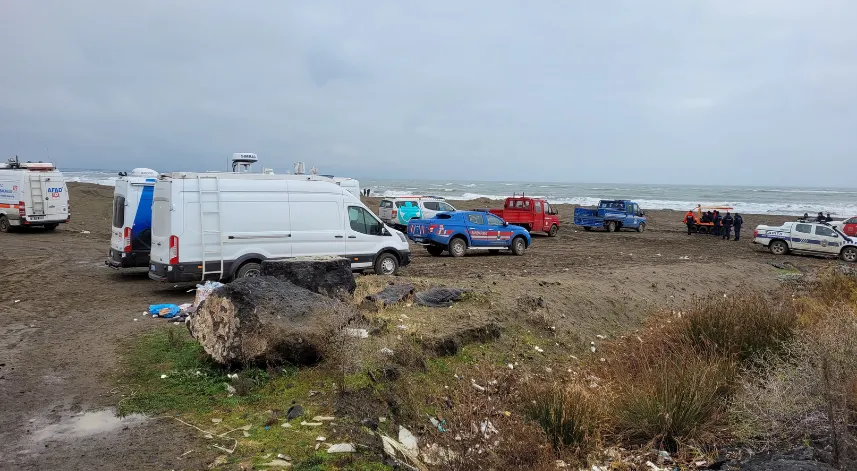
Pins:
x: 392, y: 294
x: 357, y: 333
x: 164, y: 310
x: 341, y: 448
x: 439, y: 297
x: 205, y: 290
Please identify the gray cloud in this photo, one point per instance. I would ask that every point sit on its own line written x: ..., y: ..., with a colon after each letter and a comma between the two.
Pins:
x: 753, y: 92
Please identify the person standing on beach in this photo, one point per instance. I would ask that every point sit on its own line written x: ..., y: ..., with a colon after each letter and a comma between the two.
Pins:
x: 688, y: 219
x: 727, y: 226
x: 738, y: 222
x: 717, y: 220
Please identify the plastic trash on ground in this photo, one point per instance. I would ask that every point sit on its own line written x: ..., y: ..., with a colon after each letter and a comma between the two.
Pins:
x: 439, y: 297
x: 205, y: 290
x: 164, y: 310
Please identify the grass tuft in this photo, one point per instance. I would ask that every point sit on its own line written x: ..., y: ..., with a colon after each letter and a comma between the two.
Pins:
x: 742, y: 326
x: 571, y: 417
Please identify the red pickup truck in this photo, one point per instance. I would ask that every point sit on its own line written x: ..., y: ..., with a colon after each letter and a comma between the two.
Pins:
x: 533, y: 214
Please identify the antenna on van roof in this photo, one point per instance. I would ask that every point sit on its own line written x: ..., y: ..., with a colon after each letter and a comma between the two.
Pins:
x: 243, y: 161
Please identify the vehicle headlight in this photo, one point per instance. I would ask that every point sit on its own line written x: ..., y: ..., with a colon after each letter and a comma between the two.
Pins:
x: 401, y: 236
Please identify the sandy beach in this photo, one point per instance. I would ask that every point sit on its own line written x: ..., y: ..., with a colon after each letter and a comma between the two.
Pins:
x: 66, y: 316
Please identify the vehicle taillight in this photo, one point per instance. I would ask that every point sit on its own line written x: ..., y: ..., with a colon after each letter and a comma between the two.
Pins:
x: 174, y: 250
x: 755, y: 234
x: 394, y: 213
x: 126, y: 240
x: 22, y: 211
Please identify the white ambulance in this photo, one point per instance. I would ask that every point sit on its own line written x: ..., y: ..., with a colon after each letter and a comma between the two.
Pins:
x: 223, y: 225
x: 131, y: 234
x: 32, y: 194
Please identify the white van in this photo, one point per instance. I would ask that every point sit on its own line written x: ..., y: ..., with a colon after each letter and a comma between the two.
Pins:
x: 399, y: 210
x: 222, y: 225
x: 32, y: 194
x: 131, y: 234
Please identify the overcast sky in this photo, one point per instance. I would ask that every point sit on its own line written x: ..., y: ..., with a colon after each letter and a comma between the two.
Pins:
x: 660, y: 91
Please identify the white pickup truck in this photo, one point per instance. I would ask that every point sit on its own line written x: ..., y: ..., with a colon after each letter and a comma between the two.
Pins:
x: 806, y: 237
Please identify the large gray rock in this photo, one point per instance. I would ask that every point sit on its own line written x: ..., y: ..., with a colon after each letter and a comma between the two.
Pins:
x: 263, y: 319
x: 330, y: 276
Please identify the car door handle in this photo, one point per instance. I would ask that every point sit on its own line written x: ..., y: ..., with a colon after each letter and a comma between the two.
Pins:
x: 338, y: 237
x: 352, y: 237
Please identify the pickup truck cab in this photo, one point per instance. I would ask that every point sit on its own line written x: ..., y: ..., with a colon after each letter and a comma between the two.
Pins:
x: 806, y: 237
x: 459, y: 231
x: 533, y: 214
x: 612, y: 215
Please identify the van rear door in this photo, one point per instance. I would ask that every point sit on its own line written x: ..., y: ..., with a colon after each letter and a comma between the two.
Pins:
x: 120, y: 202
x: 162, y: 222
x: 56, y: 197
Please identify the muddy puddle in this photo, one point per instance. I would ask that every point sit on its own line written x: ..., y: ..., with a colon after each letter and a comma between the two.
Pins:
x: 86, y: 424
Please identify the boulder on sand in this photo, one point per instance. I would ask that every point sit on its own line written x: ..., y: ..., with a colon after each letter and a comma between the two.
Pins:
x: 264, y: 319
x: 330, y: 276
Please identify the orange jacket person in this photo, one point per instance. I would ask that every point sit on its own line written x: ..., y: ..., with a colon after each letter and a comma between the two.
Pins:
x: 690, y: 221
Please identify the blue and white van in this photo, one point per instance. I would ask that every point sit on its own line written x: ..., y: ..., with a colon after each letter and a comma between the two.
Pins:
x: 131, y: 238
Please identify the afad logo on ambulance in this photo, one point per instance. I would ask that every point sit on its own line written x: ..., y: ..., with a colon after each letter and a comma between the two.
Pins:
x: 55, y: 192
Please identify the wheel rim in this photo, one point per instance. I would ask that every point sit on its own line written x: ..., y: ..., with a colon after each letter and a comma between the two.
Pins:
x: 4, y: 224
x: 519, y: 245
x: 458, y: 248
x: 778, y: 249
x: 642, y: 227
x: 388, y: 266
x: 252, y: 273
x: 850, y: 255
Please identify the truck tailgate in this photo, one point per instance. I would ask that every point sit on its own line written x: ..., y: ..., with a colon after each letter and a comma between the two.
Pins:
x: 418, y: 230
x: 587, y: 217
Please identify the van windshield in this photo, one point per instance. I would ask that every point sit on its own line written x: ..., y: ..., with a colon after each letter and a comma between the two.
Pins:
x: 118, y: 211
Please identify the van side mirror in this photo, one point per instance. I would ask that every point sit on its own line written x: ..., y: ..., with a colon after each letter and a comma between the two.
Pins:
x: 505, y: 224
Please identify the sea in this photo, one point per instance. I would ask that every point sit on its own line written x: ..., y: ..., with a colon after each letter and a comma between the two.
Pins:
x: 782, y: 200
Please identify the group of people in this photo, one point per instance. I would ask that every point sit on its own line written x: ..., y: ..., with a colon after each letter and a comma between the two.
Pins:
x: 820, y: 218
x: 366, y: 192
x: 723, y: 225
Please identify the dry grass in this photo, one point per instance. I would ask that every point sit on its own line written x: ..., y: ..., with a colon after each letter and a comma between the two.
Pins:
x: 673, y: 395
x: 672, y: 385
x: 808, y: 393
x: 572, y: 417
x: 742, y: 326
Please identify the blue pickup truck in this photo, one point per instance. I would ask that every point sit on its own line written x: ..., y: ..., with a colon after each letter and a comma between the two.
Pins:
x: 459, y: 231
x: 612, y: 215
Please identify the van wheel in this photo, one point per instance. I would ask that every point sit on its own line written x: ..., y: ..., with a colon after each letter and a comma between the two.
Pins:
x: 778, y: 247
x: 434, y: 250
x: 553, y: 231
x: 457, y: 247
x: 51, y: 227
x: 249, y: 270
x: 849, y: 254
x: 519, y: 246
x: 611, y: 226
x: 641, y: 227
x: 4, y: 224
x: 386, y: 264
